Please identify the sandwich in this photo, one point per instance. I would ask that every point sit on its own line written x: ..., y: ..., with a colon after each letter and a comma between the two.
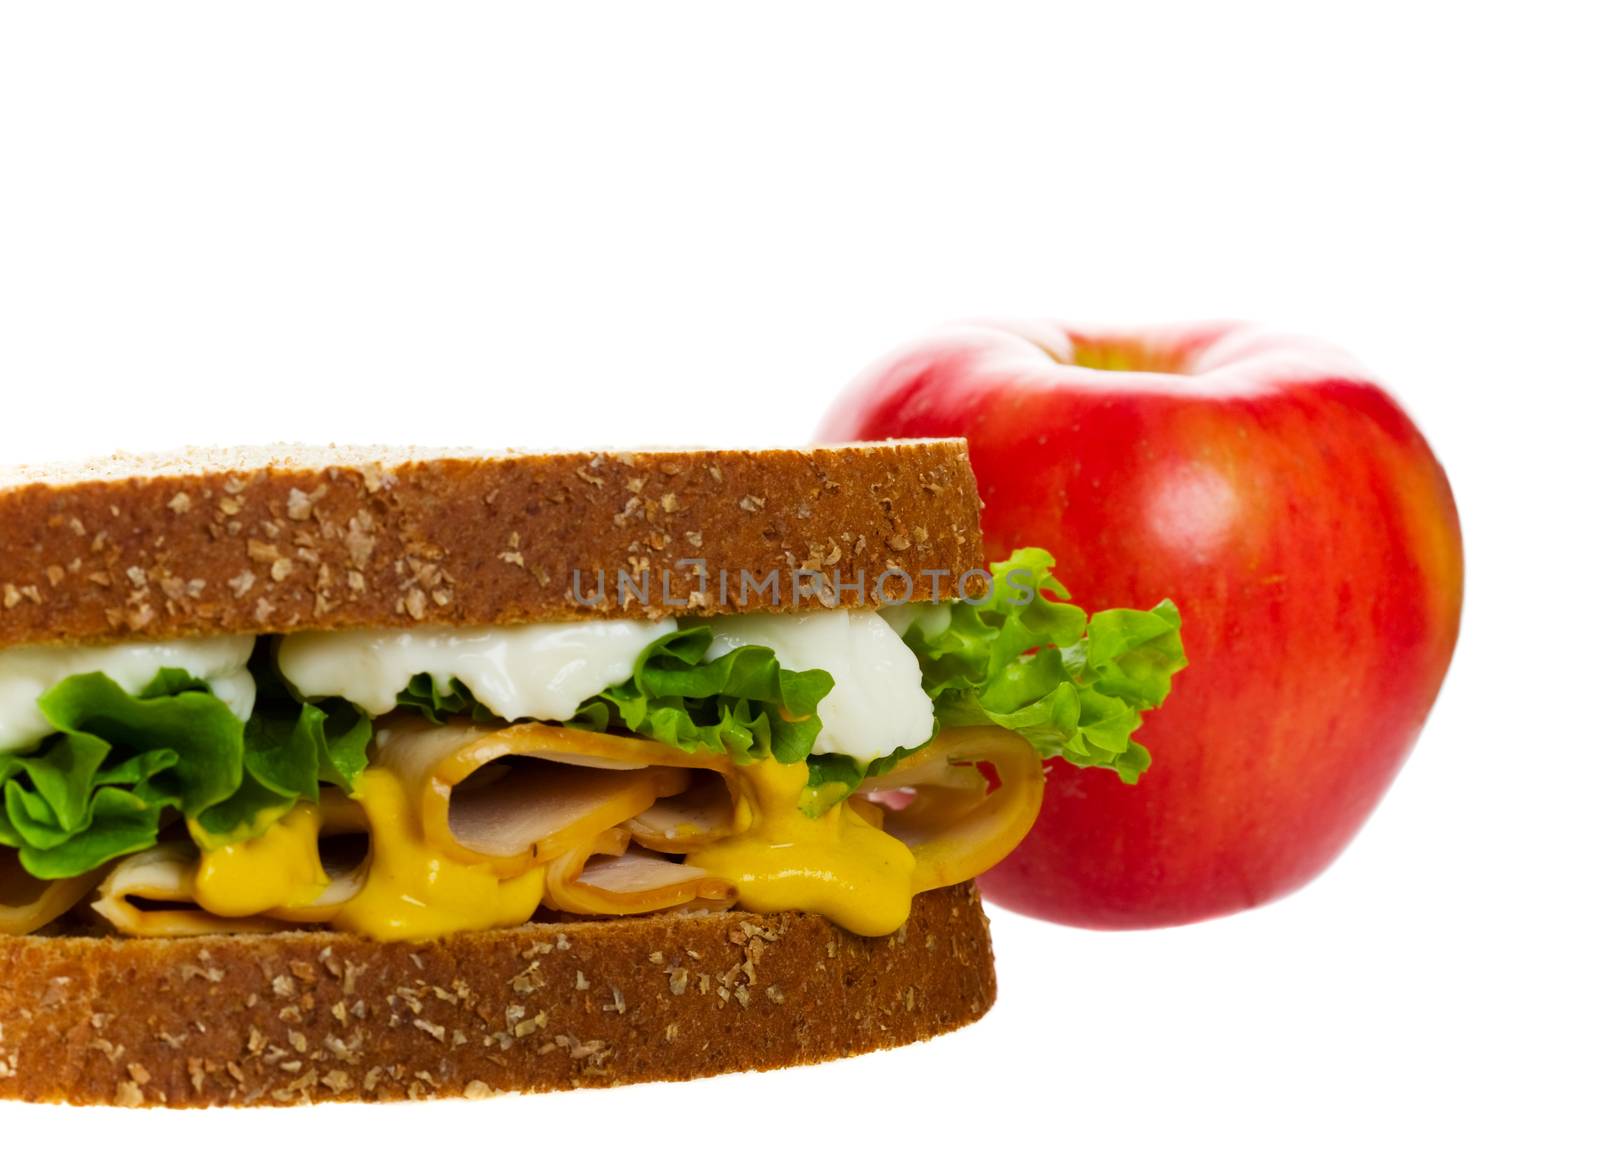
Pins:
x: 363, y: 774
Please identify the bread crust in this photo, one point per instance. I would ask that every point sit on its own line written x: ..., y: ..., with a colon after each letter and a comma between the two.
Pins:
x: 276, y: 540
x: 306, y: 1016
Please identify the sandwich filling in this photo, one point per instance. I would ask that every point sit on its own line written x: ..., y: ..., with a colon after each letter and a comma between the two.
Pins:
x: 405, y: 784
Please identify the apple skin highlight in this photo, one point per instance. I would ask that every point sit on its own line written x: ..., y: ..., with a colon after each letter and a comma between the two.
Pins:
x: 1308, y: 534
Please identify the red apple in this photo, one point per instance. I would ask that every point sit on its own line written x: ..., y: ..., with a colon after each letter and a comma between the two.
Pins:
x: 1309, y: 537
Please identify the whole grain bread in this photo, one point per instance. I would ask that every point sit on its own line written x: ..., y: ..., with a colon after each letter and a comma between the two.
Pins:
x: 297, y: 1017
x: 282, y: 538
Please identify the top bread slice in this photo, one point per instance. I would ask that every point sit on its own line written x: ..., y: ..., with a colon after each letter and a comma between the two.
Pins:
x: 283, y: 538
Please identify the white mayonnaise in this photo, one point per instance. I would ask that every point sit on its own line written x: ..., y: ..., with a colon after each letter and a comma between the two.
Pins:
x: 542, y: 671
x: 877, y: 703
x: 28, y: 672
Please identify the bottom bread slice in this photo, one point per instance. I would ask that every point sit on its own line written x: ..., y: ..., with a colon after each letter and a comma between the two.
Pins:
x: 312, y: 1015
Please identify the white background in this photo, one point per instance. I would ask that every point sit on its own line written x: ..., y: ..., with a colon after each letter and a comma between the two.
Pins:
x: 692, y: 223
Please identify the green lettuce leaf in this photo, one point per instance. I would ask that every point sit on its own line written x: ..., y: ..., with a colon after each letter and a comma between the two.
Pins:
x: 175, y: 712
x: 437, y: 704
x: 121, y: 821
x: 743, y: 704
x: 290, y: 750
x: 834, y: 777
x: 59, y: 798
x: 98, y: 788
x: 1026, y: 659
